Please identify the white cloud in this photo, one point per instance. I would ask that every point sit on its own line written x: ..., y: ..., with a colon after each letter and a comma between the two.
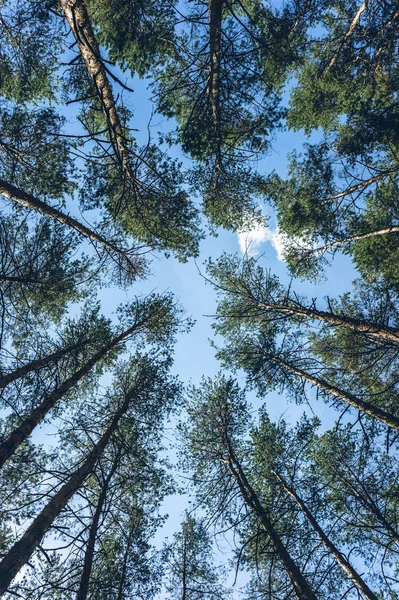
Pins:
x: 249, y: 241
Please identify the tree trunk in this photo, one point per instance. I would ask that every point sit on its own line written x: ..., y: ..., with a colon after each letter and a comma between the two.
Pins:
x: 22, y: 550
x: 21, y: 197
x: 355, y: 238
x: 360, y: 185
x: 215, y: 33
x: 387, y: 334
x: 359, y: 491
x: 361, y: 405
x: 124, y: 566
x: 352, y: 26
x: 89, y: 554
x: 23, y: 431
x: 341, y: 560
x: 79, y: 22
x: 302, y: 589
x: 33, y: 365
x: 184, y: 573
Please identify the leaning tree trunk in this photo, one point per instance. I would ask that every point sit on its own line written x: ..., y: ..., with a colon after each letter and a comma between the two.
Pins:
x: 387, y: 334
x: 355, y: 238
x: 89, y: 554
x: 352, y: 26
x: 33, y: 365
x: 302, y: 588
x: 21, y: 197
x: 81, y: 27
x: 362, y: 495
x: 215, y: 8
x: 340, y: 559
x: 361, y: 185
x: 22, y: 550
x: 361, y: 405
x: 25, y: 428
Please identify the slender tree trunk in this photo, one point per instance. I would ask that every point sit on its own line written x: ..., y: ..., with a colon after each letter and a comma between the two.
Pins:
x: 302, y: 589
x: 352, y: 26
x: 368, y: 502
x: 21, y: 197
x: 388, y: 23
x: 215, y: 8
x: 25, y: 428
x: 184, y: 573
x: 355, y: 238
x: 341, y: 560
x: 89, y: 554
x: 124, y: 566
x: 360, y: 185
x: 33, y: 365
x: 356, y: 402
x: 22, y: 550
x: 79, y: 22
x: 387, y: 334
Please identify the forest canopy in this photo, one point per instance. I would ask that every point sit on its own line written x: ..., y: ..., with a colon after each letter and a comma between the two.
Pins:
x: 137, y: 137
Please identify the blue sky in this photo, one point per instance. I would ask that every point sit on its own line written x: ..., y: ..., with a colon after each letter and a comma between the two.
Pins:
x: 194, y: 356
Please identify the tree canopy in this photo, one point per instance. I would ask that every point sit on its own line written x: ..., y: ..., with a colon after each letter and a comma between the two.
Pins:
x: 130, y: 133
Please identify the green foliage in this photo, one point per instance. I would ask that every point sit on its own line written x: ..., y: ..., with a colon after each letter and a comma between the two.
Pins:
x: 137, y: 35
x: 155, y: 209
x: 39, y: 271
x: 32, y: 42
x: 33, y: 155
x: 226, y: 102
x: 191, y: 571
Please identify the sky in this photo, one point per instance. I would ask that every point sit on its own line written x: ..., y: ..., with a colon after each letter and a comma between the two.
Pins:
x: 194, y: 355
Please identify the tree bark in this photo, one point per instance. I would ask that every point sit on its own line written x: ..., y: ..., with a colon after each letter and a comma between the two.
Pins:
x: 387, y: 334
x: 89, y: 554
x: 302, y: 589
x: 79, y: 22
x: 22, y: 550
x: 29, y: 201
x: 341, y: 560
x: 361, y: 405
x: 25, y: 428
x: 352, y: 26
x: 355, y: 238
x: 215, y: 8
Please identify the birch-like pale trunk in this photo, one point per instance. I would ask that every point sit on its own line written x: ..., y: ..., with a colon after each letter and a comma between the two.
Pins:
x: 352, y: 26
x: 355, y: 238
